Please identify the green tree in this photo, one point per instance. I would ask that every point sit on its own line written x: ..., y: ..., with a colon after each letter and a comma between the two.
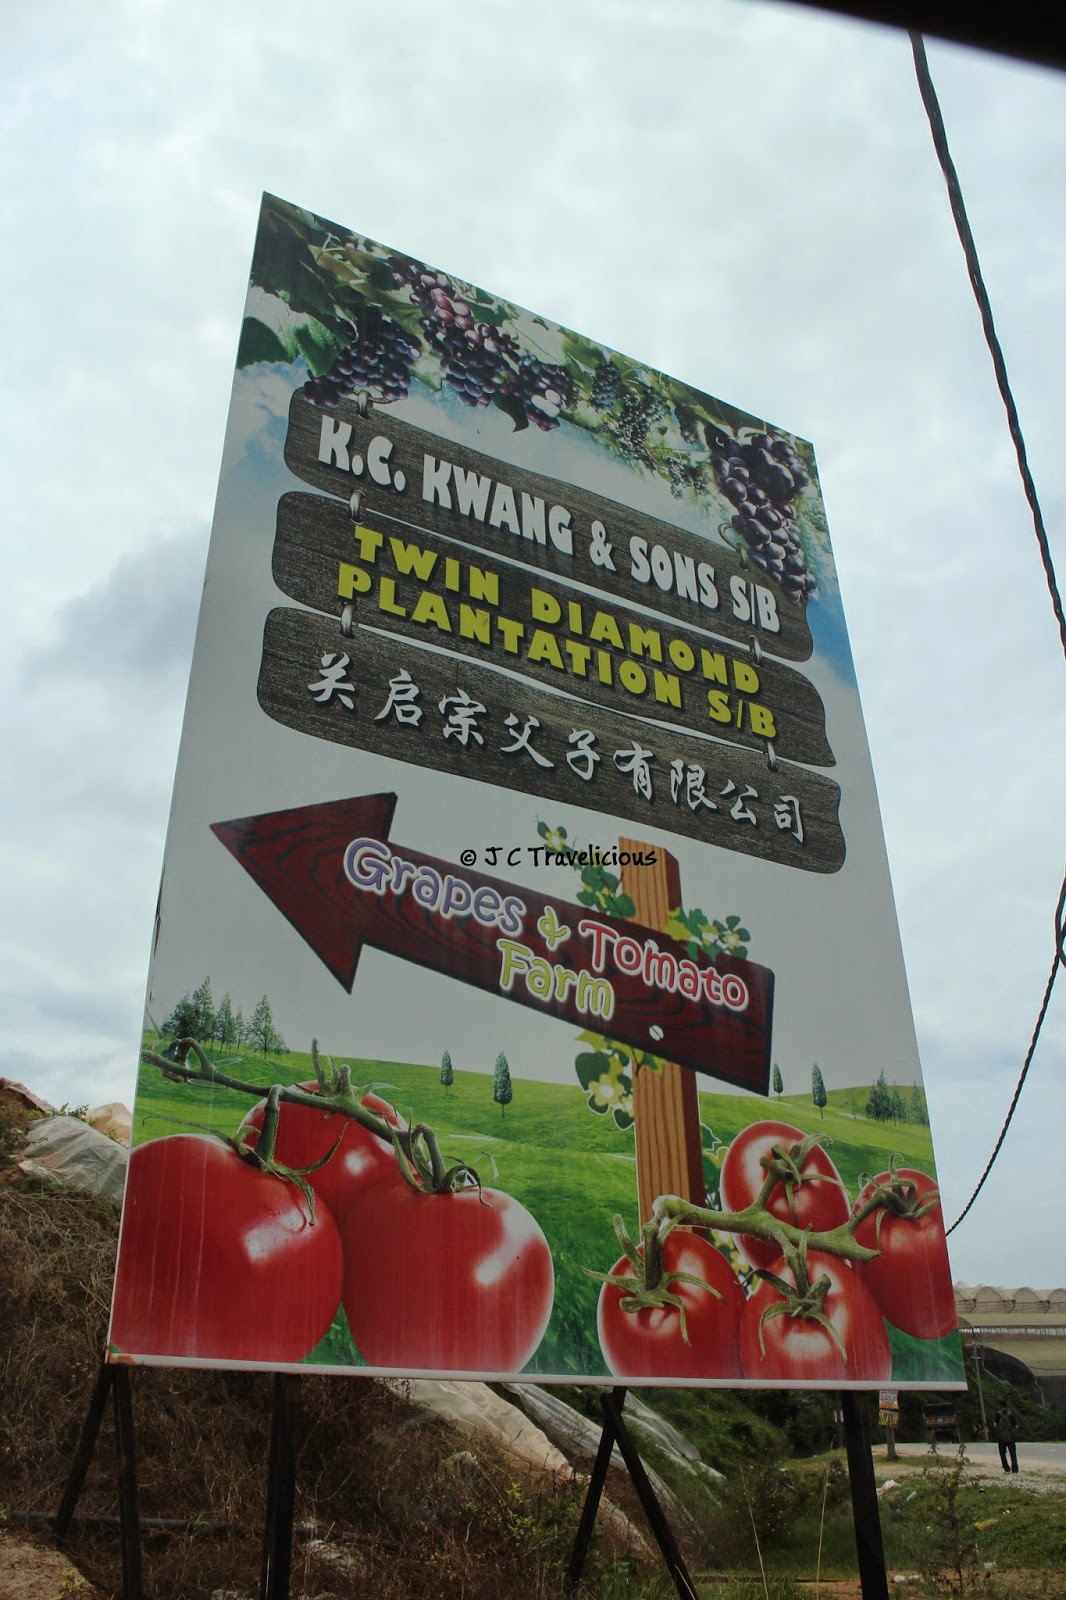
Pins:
x: 919, y: 1111
x: 240, y: 1028
x: 501, y: 1083
x: 181, y: 1024
x: 225, y: 1030
x: 818, y: 1094
x: 262, y: 1032
x: 447, y: 1076
x: 203, y: 1001
x: 879, y: 1101
x: 898, y: 1106
x: 779, y: 1082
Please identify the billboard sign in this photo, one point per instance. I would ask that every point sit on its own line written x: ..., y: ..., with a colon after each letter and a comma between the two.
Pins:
x: 526, y: 994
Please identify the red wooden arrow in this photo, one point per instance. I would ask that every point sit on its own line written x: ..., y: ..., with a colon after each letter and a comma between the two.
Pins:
x: 502, y: 937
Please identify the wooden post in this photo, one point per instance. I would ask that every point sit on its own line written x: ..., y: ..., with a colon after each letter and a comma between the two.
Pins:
x: 666, y: 1107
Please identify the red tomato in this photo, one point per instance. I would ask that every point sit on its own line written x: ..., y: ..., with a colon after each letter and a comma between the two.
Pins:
x: 454, y: 1282
x: 911, y: 1278
x: 220, y: 1261
x: 799, y: 1349
x: 306, y: 1135
x: 819, y: 1201
x: 649, y: 1344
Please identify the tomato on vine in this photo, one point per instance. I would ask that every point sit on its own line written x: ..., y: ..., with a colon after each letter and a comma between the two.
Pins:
x: 351, y: 1156
x: 671, y: 1309
x: 911, y: 1277
x: 807, y: 1190
x: 220, y: 1260
x: 459, y: 1280
x: 812, y: 1320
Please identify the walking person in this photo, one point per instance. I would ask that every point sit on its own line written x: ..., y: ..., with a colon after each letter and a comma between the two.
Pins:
x: 1006, y: 1428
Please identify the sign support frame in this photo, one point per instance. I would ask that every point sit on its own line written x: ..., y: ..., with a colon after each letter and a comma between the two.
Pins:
x: 111, y: 1379
x: 616, y: 1432
x: 865, y: 1507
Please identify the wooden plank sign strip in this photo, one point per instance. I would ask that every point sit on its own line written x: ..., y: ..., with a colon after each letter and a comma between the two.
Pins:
x: 557, y: 527
x: 413, y: 583
x: 453, y: 716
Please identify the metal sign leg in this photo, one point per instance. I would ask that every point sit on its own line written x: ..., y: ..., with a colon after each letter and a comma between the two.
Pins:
x: 616, y: 1432
x: 129, y: 1517
x: 866, y: 1512
x: 83, y: 1453
x: 281, y: 1489
x: 116, y: 1381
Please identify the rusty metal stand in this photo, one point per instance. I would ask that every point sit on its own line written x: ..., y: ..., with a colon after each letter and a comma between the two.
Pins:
x: 865, y: 1509
x: 616, y: 1432
x: 116, y: 1380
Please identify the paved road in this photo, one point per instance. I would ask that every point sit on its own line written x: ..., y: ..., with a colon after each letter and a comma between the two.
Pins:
x: 1041, y: 1466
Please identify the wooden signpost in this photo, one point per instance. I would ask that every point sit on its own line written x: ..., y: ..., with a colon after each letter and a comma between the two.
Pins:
x: 666, y: 1108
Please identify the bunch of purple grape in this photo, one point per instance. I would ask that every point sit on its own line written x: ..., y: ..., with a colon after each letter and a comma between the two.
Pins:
x: 685, y: 477
x: 641, y: 409
x: 761, y: 479
x: 606, y: 386
x: 542, y: 389
x: 378, y: 364
x: 476, y: 357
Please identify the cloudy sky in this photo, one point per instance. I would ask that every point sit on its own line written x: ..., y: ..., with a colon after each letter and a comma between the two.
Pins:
x: 739, y: 193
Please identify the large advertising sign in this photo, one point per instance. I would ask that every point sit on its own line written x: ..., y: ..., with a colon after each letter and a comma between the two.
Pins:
x: 526, y: 995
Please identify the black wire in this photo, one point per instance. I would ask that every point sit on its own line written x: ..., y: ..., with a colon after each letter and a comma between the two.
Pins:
x: 1060, y: 959
x: 973, y: 267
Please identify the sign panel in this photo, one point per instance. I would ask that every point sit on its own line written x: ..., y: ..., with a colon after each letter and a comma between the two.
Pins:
x: 526, y: 995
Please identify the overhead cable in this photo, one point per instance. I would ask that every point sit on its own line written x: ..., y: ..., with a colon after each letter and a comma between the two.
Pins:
x: 973, y: 267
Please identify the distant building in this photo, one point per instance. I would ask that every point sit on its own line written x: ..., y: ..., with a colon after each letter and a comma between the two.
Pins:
x: 1018, y: 1334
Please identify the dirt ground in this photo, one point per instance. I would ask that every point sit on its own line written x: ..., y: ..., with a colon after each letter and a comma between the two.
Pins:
x: 31, y: 1571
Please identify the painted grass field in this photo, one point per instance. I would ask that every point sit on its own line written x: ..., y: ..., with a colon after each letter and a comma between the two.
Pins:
x: 573, y: 1170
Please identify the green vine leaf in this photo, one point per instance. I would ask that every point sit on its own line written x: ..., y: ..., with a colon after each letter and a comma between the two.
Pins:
x: 259, y: 343
x: 512, y: 407
x: 317, y: 349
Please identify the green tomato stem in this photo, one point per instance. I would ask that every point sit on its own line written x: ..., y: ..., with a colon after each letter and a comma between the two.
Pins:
x: 759, y: 1223
x: 343, y: 1100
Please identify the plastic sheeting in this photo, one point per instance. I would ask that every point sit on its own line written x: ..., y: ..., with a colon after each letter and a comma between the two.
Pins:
x: 69, y: 1150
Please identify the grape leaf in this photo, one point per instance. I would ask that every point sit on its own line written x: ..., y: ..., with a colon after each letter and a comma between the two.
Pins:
x: 512, y: 406
x: 591, y: 1067
x: 318, y: 351
x: 259, y: 343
